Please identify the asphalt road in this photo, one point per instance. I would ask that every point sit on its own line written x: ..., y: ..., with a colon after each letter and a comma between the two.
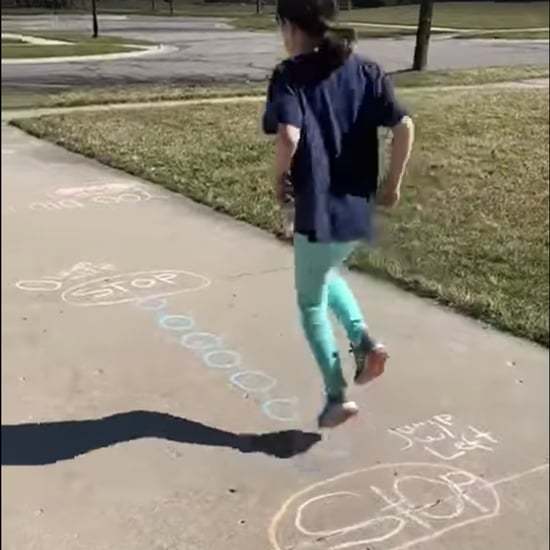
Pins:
x: 206, y: 50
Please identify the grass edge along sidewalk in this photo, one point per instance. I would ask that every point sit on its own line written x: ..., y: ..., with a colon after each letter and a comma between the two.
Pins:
x: 24, y: 98
x: 74, y: 45
x: 471, y: 233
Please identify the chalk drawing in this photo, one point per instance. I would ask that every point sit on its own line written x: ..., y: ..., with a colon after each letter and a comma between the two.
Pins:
x: 439, y: 437
x: 39, y: 285
x: 110, y: 194
x: 52, y: 283
x: 200, y: 341
x: 282, y: 410
x: 213, y: 354
x: 123, y: 197
x: 178, y: 323
x: 132, y: 287
x: 65, y: 204
x: 410, y: 503
x: 85, y: 191
x: 155, y: 304
x: 253, y: 381
x: 222, y: 359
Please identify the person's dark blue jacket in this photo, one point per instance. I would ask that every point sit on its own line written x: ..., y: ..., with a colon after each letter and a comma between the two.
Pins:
x: 335, y: 169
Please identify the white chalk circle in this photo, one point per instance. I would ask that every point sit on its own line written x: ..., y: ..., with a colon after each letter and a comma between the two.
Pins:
x: 395, y: 506
x: 122, y: 288
x: 281, y: 409
x: 200, y: 341
x: 221, y: 359
x: 253, y: 381
x: 176, y: 323
x: 152, y: 304
x: 38, y: 285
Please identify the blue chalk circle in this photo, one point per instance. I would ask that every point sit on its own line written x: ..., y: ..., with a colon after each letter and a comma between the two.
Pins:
x: 275, y: 407
x: 152, y: 304
x: 200, y: 341
x: 253, y: 381
x: 177, y: 323
x: 221, y: 359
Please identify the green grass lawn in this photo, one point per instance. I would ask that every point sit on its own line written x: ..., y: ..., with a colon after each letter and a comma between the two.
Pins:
x: 11, y: 41
x: 77, y: 37
x: 27, y: 98
x: 266, y: 22
x: 78, y: 45
x: 472, y: 230
x: 461, y: 15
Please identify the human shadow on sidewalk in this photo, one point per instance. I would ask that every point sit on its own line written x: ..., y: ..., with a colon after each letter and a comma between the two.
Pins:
x: 50, y: 442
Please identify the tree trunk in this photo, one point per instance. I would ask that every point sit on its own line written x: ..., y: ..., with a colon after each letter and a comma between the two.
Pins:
x: 423, y: 35
x: 95, y: 26
x: 259, y: 7
x: 171, y: 7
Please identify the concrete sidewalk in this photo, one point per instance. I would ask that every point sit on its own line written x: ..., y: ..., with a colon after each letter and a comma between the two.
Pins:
x: 157, y: 391
x: 12, y: 114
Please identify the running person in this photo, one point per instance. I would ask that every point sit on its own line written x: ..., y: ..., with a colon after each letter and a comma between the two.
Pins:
x: 325, y: 104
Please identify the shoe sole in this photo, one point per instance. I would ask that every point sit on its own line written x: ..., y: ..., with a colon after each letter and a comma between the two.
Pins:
x: 337, y: 419
x: 375, y: 367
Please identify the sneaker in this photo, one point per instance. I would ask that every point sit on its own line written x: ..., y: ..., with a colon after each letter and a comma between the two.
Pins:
x: 337, y: 412
x: 370, y: 361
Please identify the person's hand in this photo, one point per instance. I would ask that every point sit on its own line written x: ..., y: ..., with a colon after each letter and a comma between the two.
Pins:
x: 389, y: 194
x: 280, y: 192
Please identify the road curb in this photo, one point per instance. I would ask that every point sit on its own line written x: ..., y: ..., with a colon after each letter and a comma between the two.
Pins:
x: 139, y: 51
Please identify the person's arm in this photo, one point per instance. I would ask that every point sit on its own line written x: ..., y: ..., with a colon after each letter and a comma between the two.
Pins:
x: 269, y: 119
x: 402, y: 142
x: 288, y: 137
x: 391, y: 114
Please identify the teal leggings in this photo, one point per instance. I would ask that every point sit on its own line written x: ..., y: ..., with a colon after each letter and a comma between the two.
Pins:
x: 320, y: 287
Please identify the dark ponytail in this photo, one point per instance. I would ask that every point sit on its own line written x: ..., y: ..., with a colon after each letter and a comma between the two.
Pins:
x: 337, y: 44
x: 315, y: 18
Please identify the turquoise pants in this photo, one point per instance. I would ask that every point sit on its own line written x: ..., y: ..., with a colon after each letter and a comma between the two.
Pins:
x: 319, y: 288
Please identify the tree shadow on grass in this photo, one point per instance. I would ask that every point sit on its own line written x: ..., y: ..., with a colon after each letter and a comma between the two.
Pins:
x: 49, y: 442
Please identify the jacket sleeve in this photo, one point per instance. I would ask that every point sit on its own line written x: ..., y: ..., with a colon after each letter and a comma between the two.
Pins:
x: 282, y: 103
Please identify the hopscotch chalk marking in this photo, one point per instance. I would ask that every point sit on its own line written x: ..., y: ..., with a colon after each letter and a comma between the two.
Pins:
x: 439, y: 437
x: 130, y: 287
x: 176, y: 323
x: 468, y: 494
x: 222, y: 359
x: 268, y: 381
x: 267, y: 408
x: 200, y: 341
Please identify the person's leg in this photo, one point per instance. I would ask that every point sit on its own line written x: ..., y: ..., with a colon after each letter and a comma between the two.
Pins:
x: 312, y: 266
x: 343, y: 304
x: 370, y: 356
